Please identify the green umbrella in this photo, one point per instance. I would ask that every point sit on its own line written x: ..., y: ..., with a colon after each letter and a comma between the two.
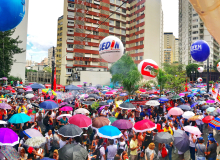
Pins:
x: 176, y: 97
x: 112, y: 119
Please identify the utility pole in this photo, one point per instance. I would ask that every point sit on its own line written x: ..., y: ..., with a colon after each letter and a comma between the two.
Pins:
x: 53, y: 65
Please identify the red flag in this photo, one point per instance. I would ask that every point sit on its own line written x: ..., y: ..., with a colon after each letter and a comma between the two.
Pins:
x: 54, y: 80
x: 186, y: 86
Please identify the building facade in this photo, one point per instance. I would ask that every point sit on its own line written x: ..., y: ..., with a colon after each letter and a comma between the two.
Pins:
x: 169, y: 47
x: 176, y: 55
x: 138, y: 23
x: 191, y: 29
x: 18, y: 67
x: 50, y: 55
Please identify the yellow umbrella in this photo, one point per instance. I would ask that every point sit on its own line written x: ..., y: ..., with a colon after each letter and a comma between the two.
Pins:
x: 194, y: 118
x: 117, y: 103
x: 209, y: 11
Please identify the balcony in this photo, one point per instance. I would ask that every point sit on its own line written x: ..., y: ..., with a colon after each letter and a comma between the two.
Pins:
x: 69, y: 49
x: 97, y: 3
x: 69, y: 65
x: 71, y: 8
x: 70, y: 41
x: 69, y: 73
x: 70, y: 32
x: 70, y: 24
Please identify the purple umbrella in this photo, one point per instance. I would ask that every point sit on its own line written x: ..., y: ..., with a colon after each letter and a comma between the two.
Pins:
x: 32, y: 133
x: 85, y: 82
x: 122, y: 124
x: 92, y: 88
x: 4, y: 78
x: 62, y: 104
x: 8, y: 137
x: 123, y: 94
x: 5, y: 106
x: 101, y: 108
x: 34, y: 98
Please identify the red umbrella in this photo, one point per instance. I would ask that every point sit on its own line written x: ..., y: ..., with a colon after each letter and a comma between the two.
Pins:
x: 142, y: 90
x: 80, y: 120
x: 66, y: 109
x: 144, y: 125
x: 109, y: 93
x: 208, y: 119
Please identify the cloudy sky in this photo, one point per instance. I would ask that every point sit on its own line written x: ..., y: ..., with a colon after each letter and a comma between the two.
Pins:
x: 42, y: 24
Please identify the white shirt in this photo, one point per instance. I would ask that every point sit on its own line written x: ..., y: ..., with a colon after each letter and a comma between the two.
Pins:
x: 49, y: 139
x: 192, y: 144
x: 112, y: 150
x: 104, y: 112
x: 62, y: 143
x: 102, y: 152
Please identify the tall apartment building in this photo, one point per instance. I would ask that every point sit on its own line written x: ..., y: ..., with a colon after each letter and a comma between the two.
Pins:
x: 176, y: 54
x: 50, y: 55
x: 138, y: 23
x: 191, y: 29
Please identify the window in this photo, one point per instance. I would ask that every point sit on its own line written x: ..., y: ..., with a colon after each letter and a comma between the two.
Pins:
x: 138, y: 14
x: 195, y: 38
x: 141, y: 57
x: 137, y: 29
x: 195, y: 32
x: 70, y: 30
x: 136, y: 58
x: 137, y: 36
x: 138, y: 7
x: 89, y: 1
x: 61, y: 28
x: 117, y: 24
x: 59, y: 50
x: 123, y: 10
x: 71, y: 5
x: 95, y: 33
x: 61, y: 34
x: 123, y: 31
x: 112, y: 7
x: 111, y: 29
x: 69, y: 45
x: 69, y: 70
x: 123, y: 39
x: 136, y: 51
x: 88, y: 39
x: 112, y: 1
x: 111, y: 22
x: 196, y: 26
x: 136, y: 43
x: 195, y: 14
x: 60, y: 39
x: 118, y: 2
x: 117, y: 16
x: 141, y: 43
x: 137, y: 21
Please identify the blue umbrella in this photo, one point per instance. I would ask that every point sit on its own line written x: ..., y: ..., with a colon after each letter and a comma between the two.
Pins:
x: 128, y: 100
x: 109, y: 132
x: 48, y: 105
x: 36, y: 86
x: 72, y: 87
x: 104, y: 92
x: 163, y: 99
x: 182, y: 100
x: 109, y: 101
x: 19, y: 118
x: 123, y: 94
x: 194, y: 104
x: 190, y: 95
x: 46, y: 158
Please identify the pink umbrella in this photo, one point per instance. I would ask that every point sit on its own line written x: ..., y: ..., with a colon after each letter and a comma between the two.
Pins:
x: 142, y: 90
x: 192, y: 129
x: 80, y: 120
x: 119, y: 89
x: 181, y: 94
x: 79, y: 85
x: 113, y: 91
x: 175, y: 111
x: 66, y: 109
x: 144, y: 125
x: 109, y: 93
x: 210, y: 101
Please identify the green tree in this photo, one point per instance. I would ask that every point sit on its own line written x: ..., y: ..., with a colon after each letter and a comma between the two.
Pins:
x: 176, y: 82
x: 121, y: 68
x: 48, y: 69
x: 215, y: 65
x: 29, y: 70
x: 161, y: 79
x: 8, y: 48
x: 173, y: 68
x: 191, y: 67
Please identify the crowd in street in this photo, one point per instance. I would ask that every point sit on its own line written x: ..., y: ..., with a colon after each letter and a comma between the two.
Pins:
x: 98, y: 123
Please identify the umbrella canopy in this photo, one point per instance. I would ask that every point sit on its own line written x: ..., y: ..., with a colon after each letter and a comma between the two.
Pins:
x: 188, y: 114
x: 34, y: 98
x: 19, y: 118
x: 112, y: 119
x: 215, y: 123
x: 81, y: 111
x: 72, y: 152
x: 152, y: 103
x: 72, y: 87
x: 208, y: 119
x: 35, y: 105
x: 99, y: 122
x: 19, y: 96
x: 127, y: 105
x: 175, y: 111
x: 210, y: 109
x: 122, y: 124
x: 215, y: 114
x: 20, y: 91
x: 5, y: 106
x: 27, y: 92
x: 3, y: 122
x: 144, y: 125
x: 176, y: 97
x: 48, y: 105
x: 66, y: 109
x: 144, y: 95
x: 70, y: 130
x: 32, y: 133
x: 163, y: 137
x: 109, y: 93
x: 123, y: 94
x: 194, y: 104
x: 192, y: 129
x: 93, y: 96
x: 64, y: 115
x: 8, y: 137
x: 10, y: 153
x: 181, y: 140
x: 202, y: 102
x: 182, y: 94
x: 163, y: 99
x: 29, y: 96
x: 194, y: 118
x: 35, y: 142
x: 47, y: 158
x: 185, y: 107
x: 69, y: 105
x: 205, y: 107
x: 36, y: 86
x: 103, y: 103
x: 109, y: 132
x: 62, y: 104
x: 210, y: 101
x: 81, y: 121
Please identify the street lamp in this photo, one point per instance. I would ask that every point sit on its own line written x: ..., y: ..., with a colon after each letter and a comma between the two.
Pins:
x: 209, y: 66
x: 193, y: 73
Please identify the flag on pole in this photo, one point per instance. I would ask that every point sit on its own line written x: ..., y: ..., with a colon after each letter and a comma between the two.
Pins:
x: 55, y: 80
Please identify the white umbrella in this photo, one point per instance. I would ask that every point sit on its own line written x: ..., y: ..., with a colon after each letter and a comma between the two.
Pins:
x: 29, y: 96
x: 3, y: 122
x: 35, y: 142
x: 81, y: 111
x: 64, y: 115
x: 152, y: 103
x: 188, y: 114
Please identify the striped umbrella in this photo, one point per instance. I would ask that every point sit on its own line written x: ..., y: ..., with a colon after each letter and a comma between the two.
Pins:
x: 215, y: 123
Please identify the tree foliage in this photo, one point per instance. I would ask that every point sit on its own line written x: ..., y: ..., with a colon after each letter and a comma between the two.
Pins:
x: 48, y: 69
x: 161, y: 79
x: 191, y: 67
x: 12, y: 78
x: 8, y: 48
x: 29, y: 70
x: 173, y: 68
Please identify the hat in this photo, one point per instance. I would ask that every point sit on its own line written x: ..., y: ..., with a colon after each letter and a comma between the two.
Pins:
x: 212, y: 139
x: 169, y: 118
x: 200, y: 138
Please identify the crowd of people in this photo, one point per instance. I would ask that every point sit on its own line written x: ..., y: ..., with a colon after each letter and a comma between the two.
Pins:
x: 132, y: 145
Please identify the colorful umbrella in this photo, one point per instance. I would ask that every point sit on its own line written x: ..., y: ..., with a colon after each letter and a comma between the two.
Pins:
x: 188, y: 114
x: 48, y: 105
x: 192, y: 129
x: 163, y: 99
x: 81, y: 111
x: 19, y: 118
x: 176, y: 97
x: 99, y: 122
x: 81, y: 121
x: 123, y: 94
x: 175, y: 111
x: 35, y: 142
x: 29, y: 96
x: 8, y: 137
x: 122, y: 124
x: 64, y: 115
x: 66, y: 109
x: 208, y: 119
x: 5, y: 106
x: 182, y: 94
x: 210, y: 101
x: 215, y: 123
x: 194, y: 118
x: 194, y: 104
x: 34, y: 98
x: 152, y: 103
x: 210, y: 109
x: 112, y: 119
x: 144, y: 125
x: 109, y: 132
x: 70, y: 130
x: 32, y: 133
x: 10, y: 153
x: 62, y: 104
x: 142, y: 90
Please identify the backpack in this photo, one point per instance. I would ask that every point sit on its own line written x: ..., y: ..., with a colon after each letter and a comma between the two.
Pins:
x: 46, y: 120
x: 164, y: 152
x: 97, y: 153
